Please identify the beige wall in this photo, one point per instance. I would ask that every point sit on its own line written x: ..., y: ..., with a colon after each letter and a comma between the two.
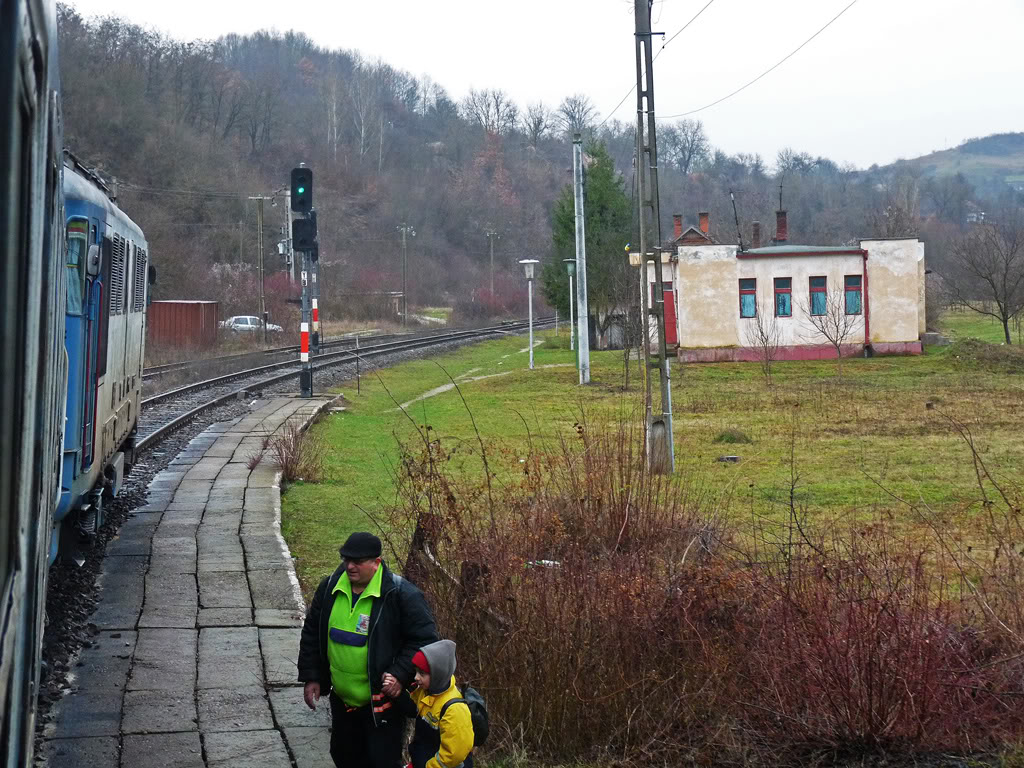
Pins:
x: 895, y: 289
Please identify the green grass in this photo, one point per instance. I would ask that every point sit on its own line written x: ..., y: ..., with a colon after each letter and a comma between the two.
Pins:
x: 967, y: 324
x: 846, y: 436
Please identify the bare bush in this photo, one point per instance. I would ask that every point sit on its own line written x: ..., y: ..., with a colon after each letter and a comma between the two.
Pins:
x: 833, y: 324
x: 299, y: 453
x: 763, y: 335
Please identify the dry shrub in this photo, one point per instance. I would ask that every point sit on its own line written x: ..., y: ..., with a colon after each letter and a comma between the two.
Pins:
x: 608, y: 614
x: 858, y: 644
x: 575, y: 582
x: 299, y: 453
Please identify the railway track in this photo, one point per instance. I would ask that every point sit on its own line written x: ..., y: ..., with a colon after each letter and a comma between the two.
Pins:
x: 167, y: 412
x: 156, y: 371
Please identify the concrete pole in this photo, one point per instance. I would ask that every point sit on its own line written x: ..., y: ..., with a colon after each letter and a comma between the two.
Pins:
x: 582, y: 313
x: 259, y: 245
x: 572, y: 325
x: 290, y: 252
x: 405, y: 285
x: 490, y: 240
x: 529, y: 284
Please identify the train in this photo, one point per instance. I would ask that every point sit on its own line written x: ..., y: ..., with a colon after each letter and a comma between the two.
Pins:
x: 108, y: 279
x: 74, y: 285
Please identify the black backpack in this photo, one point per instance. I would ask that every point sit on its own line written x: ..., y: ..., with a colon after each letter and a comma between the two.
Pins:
x: 477, y: 713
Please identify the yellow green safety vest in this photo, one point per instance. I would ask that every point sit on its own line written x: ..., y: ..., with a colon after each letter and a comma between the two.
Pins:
x: 347, y: 640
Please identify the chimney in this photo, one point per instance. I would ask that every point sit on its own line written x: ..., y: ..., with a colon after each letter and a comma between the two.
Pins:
x: 781, y: 231
x: 704, y: 218
x: 677, y: 225
x: 757, y: 235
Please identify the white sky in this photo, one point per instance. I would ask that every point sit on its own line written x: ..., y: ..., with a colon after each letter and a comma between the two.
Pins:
x: 889, y: 79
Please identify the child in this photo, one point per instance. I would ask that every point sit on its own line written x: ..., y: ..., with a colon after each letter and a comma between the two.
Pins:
x: 443, y: 737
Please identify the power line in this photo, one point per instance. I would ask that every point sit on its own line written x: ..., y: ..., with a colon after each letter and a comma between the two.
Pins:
x: 632, y: 88
x: 767, y: 71
x: 683, y: 29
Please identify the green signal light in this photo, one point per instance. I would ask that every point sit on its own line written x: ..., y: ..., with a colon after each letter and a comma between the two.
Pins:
x: 300, y: 190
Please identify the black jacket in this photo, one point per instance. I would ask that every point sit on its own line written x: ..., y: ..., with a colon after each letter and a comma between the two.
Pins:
x: 400, y: 624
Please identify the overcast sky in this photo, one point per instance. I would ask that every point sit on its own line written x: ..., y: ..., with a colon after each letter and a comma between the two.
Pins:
x: 889, y: 79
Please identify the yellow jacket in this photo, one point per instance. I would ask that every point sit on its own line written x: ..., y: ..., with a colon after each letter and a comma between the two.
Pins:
x: 456, y: 729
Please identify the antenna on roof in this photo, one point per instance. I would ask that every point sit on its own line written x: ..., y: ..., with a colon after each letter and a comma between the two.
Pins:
x: 739, y: 233
x: 780, y: 197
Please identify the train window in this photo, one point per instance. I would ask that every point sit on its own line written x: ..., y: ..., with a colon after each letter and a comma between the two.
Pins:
x: 78, y: 247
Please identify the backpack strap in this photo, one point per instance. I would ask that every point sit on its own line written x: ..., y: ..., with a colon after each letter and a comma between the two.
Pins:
x: 448, y: 703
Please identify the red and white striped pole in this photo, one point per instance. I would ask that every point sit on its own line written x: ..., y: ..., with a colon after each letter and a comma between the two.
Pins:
x: 304, y: 341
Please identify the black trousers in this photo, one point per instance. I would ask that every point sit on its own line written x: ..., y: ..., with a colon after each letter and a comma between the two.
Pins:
x: 357, y: 743
x: 425, y: 743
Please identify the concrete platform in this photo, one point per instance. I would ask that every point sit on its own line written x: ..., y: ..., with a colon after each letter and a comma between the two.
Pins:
x: 198, y: 621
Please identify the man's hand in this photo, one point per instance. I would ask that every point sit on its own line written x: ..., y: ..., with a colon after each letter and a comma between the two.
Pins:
x: 311, y: 693
x: 390, y: 686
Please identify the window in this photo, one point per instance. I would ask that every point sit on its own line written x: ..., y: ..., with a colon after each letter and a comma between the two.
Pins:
x: 819, y: 296
x: 78, y: 248
x: 783, y: 297
x: 748, y: 297
x: 853, y: 294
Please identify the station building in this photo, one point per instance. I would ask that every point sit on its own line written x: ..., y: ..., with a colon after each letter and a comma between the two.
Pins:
x: 714, y: 293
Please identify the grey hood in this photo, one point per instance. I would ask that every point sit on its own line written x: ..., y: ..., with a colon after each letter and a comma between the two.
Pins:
x: 441, y: 658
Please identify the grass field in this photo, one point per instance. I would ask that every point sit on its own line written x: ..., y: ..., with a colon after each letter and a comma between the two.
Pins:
x: 855, y: 441
x: 967, y: 324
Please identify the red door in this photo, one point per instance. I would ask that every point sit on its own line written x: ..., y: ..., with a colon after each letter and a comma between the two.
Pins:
x: 670, y: 312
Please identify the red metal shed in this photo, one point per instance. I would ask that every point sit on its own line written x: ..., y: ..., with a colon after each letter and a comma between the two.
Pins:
x: 182, y: 323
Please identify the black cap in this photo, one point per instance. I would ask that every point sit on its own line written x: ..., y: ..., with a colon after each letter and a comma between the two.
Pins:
x: 360, y: 545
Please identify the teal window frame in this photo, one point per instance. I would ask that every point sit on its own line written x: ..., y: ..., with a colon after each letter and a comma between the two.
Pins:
x: 748, y: 297
x: 819, y: 295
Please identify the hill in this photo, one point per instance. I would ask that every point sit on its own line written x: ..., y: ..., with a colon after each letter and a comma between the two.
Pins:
x: 991, y: 163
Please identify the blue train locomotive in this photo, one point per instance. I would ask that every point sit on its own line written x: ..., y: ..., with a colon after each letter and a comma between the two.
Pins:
x: 107, y: 275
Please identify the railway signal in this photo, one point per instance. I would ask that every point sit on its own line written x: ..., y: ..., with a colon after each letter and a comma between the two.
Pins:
x: 302, y: 190
x: 304, y: 242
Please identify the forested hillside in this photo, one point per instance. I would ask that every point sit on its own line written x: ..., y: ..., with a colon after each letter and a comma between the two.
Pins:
x: 191, y: 129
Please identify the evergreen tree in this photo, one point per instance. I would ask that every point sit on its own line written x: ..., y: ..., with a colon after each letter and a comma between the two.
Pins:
x: 608, y: 220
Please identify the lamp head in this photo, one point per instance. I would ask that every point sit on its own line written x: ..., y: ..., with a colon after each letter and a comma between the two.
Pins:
x: 528, y: 265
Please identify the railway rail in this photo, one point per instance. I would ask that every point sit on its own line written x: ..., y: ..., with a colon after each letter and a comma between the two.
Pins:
x: 167, y: 412
x: 156, y: 371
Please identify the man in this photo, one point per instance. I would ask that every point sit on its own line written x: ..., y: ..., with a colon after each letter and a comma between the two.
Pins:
x: 365, y: 623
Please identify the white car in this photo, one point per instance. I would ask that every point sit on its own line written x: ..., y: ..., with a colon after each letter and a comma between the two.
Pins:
x: 248, y: 324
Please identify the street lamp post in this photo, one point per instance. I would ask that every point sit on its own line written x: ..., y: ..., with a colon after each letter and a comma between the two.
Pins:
x: 570, y: 265
x: 528, y: 265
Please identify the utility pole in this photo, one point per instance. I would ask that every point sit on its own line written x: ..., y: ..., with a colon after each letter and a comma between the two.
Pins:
x: 407, y: 231
x: 661, y: 450
x: 491, y: 235
x: 582, y: 313
x: 290, y: 249
x: 259, y: 246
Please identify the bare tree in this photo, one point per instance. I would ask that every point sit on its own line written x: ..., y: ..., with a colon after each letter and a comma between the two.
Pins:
x: 897, y: 214
x: 537, y: 122
x: 685, y: 144
x: 986, y: 268
x: 576, y: 113
x: 832, y: 322
x: 492, y: 109
x: 763, y: 334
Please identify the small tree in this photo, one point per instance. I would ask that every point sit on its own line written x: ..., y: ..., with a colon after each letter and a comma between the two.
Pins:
x: 762, y: 334
x: 834, y: 324
x: 986, y: 268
